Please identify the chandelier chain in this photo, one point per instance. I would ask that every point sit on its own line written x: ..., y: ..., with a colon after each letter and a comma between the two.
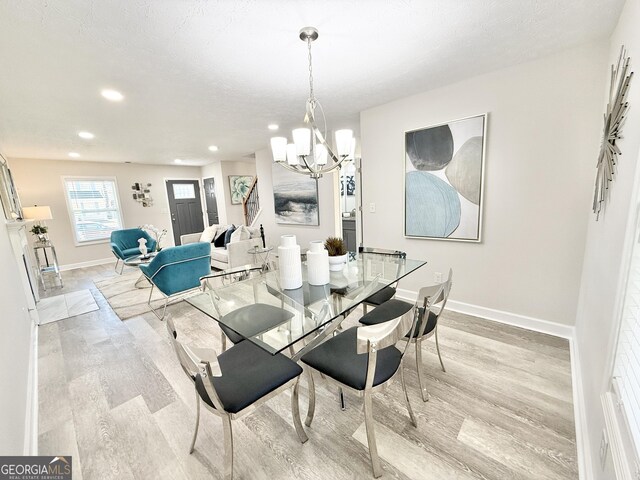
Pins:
x: 311, y: 96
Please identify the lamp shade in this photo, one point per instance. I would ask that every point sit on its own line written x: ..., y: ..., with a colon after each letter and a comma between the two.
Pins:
x: 344, y: 142
x: 321, y: 154
x: 302, y: 140
x: 279, y: 149
x: 37, y: 213
x: 292, y: 158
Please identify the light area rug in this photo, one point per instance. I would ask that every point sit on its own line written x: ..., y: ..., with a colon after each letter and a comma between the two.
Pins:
x: 125, y: 298
x: 63, y: 306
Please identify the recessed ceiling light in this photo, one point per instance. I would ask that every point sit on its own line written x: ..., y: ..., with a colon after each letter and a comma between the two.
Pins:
x: 177, y: 160
x: 273, y: 126
x: 112, y: 95
x: 86, y: 135
x: 213, y: 148
x: 74, y: 155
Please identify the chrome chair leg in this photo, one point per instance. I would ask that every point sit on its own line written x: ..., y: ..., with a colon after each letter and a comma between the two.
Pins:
x: 228, y: 448
x: 438, y: 349
x: 311, y: 409
x: 195, y: 433
x: 116, y: 265
x: 295, y: 412
x: 421, y: 381
x: 164, y: 309
x: 406, y: 396
x: 223, y: 340
x: 371, y: 435
x: 364, y: 308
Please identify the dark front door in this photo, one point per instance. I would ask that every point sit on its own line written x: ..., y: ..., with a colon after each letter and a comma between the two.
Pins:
x: 185, y: 207
x: 210, y: 198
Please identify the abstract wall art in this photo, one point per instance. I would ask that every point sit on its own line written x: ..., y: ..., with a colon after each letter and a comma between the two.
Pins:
x: 239, y: 186
x: 295, y: 197
x: 444, y: 171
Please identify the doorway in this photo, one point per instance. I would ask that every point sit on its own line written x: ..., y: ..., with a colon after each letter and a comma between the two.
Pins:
x: 210, y: 201
x: 185, y: 207
x: 350, y: 204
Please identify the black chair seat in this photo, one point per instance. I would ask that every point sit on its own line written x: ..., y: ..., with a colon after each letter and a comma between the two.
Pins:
x: 338, y: 359
x: 382, y: 296
x: 394, y: 308
x: 253, y: 319
x: 390, y: 309
x: 248, y: 374
x: 431, y: 323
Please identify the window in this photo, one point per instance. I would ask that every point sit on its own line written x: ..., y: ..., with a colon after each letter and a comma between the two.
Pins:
x: 182, y: 191
x: 93, y: 207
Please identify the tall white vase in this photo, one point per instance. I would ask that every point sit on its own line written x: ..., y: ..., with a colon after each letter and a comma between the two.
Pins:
x: 317, y: 264
x: 290, y: 266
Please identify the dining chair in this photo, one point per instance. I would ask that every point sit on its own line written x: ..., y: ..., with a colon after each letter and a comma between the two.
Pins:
x: 234, y: 383
x: 251, y: 319
x: 434, y: 295
x: 364, y: 360
x: 387, y: 292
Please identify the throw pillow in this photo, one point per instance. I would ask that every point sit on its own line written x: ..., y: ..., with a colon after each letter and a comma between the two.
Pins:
x: 241, y: 233
x: 218, y: 242
x: 227, y: 236
x: 209, y: 234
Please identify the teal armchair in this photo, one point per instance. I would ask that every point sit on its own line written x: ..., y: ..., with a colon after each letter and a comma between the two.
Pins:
x: 175, y: 270
x: 124, y: 244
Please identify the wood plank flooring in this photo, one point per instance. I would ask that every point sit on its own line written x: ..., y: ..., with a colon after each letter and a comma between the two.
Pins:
x: 112, y: 395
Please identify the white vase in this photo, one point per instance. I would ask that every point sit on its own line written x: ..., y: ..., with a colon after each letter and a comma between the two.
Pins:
x: 317, y: 264
x: 290, y: 265
x: 337, y: 263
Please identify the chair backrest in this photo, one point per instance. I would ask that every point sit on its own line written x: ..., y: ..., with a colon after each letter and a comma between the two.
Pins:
x: 210, y: 282
x: 177, y: 269
x: 382, y: 251
x: 194, y: 365
x: 128, y: 238
x: 436, y: 296
x: 372, y: 338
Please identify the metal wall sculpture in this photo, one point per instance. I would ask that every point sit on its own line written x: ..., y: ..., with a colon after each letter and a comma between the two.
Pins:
x: 614, y: 119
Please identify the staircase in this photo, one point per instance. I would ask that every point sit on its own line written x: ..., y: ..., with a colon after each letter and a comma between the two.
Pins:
x: 251, y: 204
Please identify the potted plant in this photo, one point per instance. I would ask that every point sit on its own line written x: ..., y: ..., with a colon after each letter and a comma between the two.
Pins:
x: 337, y: 253
x: 40, y: 231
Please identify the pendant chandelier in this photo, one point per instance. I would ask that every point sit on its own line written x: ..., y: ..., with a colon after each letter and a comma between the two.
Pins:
x: 310, y: 154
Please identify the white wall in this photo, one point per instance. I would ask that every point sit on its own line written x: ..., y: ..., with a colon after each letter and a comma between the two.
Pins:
x: 542, y: 137
x: 304, y: 233
x: 40, y: 182
x: 15, y: 343
x: 604, y: 261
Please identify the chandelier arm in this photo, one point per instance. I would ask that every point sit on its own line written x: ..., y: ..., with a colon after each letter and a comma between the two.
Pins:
x: 293, y: 168
x: 310, y: 119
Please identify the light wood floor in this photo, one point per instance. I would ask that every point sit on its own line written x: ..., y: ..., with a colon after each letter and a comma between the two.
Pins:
x: 113, y: 396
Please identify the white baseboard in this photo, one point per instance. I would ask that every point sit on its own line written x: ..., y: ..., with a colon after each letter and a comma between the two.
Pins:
x: 515, y: 319
x: 31, y: 417
x: 90, y: 263
x: 585, y: 461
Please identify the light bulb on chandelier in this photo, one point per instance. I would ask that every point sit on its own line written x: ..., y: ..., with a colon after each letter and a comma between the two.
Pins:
x: 309, y: 154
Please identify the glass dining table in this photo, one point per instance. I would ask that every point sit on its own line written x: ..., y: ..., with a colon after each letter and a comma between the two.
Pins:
x: 275, y: 319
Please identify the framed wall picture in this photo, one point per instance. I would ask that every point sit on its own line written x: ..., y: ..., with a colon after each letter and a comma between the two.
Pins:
x: 443, y: 180
x: 239, y: 187
x: 295, y: 197
x: 8, y: 193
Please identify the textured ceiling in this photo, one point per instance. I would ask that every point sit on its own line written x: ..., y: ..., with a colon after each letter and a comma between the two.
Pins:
x: 196, y: 72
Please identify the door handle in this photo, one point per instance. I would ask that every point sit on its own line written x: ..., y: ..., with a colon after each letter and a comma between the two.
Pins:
x: 173, y: 218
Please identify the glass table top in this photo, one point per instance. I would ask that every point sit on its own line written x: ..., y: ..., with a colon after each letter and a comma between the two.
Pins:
x: 259, y: 310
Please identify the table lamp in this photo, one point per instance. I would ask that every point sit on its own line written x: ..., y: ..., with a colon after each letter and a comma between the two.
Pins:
x: 39, y: 214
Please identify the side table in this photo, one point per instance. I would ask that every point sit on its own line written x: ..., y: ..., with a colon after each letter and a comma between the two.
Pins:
x: 261, y: 256
x: 50, y: 265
